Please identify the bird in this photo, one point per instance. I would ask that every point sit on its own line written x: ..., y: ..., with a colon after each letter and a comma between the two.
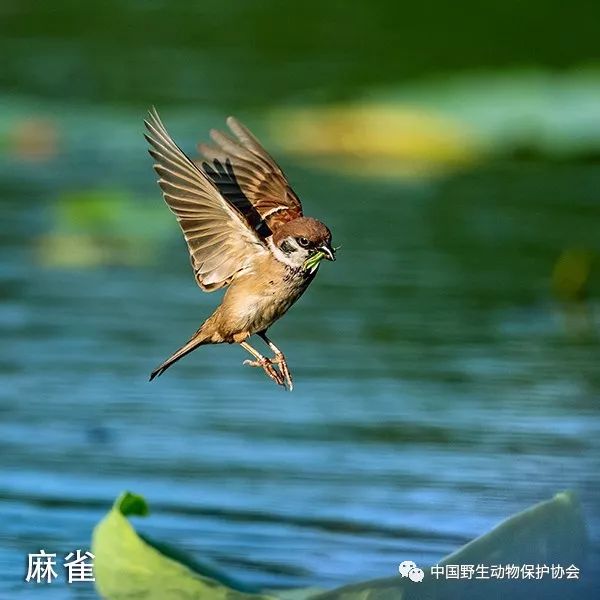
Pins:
x: 245, y: 231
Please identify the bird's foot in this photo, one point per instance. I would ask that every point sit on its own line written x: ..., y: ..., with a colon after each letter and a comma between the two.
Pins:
x: 267, y: 365
x: 284, y: 370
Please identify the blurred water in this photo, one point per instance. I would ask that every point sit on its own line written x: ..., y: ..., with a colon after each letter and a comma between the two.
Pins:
x: 440, y: 385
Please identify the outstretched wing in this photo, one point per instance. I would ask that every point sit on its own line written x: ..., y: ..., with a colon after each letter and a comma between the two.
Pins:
x: 221, y: 243
x: 249, y: 177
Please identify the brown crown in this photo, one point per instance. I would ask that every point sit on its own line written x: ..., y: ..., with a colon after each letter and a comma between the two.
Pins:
x: 314, y: 231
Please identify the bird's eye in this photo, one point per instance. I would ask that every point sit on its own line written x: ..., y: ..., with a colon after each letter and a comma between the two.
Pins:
x: 303, y: 242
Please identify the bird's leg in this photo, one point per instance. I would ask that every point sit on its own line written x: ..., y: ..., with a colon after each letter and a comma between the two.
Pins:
x: 262, y: 361
x: 279, y: 360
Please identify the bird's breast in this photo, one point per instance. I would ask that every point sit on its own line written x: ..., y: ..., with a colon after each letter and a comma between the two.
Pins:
x: 262, y: 298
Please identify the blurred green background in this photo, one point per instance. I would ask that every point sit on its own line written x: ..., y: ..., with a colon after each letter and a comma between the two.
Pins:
x: 446, y: 365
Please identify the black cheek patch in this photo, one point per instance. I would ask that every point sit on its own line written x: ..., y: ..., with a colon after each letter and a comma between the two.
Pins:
x: 287, y: 247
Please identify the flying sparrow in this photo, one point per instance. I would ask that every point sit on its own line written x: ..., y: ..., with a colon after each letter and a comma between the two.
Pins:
x: 244, y: 229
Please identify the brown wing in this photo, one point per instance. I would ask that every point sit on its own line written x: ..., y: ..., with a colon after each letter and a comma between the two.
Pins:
x: 249, y: 177
x: 220, y: 241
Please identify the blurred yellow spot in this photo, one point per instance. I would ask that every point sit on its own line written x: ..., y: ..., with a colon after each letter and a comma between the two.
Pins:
x: 102, y: 227
x: 70, y: 250
x: 377, y: 140
x: 571, y: 274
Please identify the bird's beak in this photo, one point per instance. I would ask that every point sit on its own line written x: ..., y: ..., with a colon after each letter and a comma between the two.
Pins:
x: 328, y: 251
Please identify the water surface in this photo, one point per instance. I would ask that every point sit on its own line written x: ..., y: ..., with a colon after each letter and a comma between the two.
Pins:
x: 441, y: 384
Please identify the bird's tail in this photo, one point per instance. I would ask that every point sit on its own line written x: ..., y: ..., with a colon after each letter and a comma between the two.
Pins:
x: 198, y: 339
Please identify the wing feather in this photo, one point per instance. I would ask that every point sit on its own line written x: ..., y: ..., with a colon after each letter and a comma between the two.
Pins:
x: 249, y: 178
x: 221, y: 242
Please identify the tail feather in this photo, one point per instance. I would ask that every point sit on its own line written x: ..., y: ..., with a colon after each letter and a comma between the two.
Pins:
x: 197, y: 340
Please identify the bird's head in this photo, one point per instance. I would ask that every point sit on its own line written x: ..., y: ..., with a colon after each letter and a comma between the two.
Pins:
x: 304, y: 242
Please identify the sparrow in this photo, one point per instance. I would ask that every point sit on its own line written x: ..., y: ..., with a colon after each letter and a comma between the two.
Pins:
x: 245, y: 231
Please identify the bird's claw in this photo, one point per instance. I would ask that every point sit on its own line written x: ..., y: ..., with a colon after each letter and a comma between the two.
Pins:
x: 283, y: 368
x: 267, y: 365
x: 281, y: 377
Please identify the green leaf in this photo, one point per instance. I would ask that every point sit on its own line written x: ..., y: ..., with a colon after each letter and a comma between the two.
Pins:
x: 552, y: 532
x: 128, y: 566
x: 130, y: 504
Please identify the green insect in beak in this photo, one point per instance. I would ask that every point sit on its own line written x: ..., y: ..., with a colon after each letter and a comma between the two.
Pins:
x: 312, y: 262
